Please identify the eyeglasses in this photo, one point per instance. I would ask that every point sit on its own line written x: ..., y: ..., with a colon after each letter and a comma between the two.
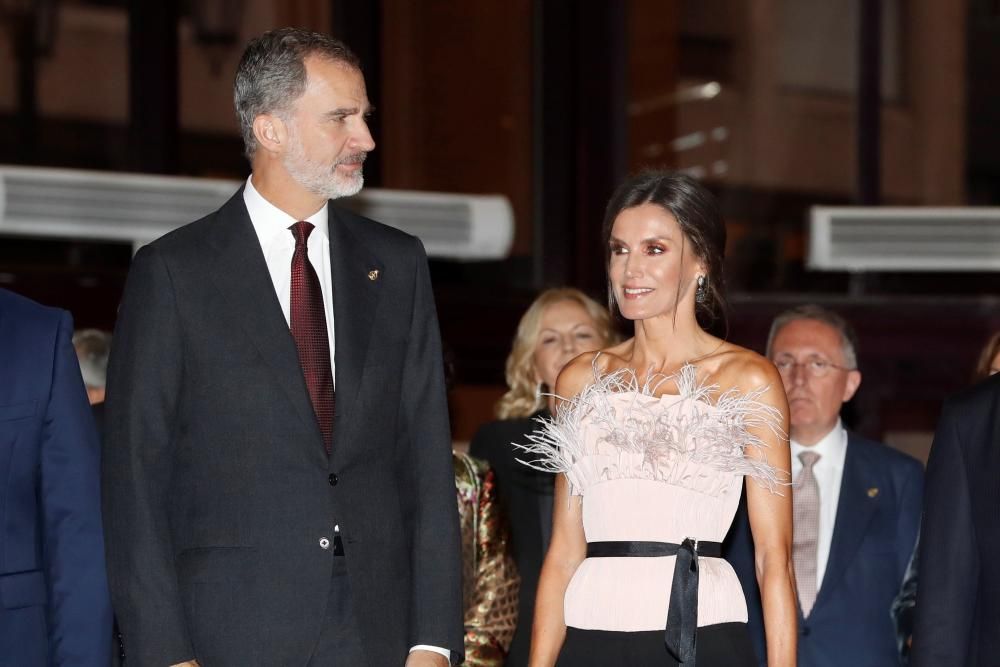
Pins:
x: 816, y: 367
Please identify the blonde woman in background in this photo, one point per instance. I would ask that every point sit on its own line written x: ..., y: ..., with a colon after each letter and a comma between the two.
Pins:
x: 560, y: 324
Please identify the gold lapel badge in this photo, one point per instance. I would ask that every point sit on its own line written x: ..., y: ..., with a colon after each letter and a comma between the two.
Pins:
x: 872, y: 492
x: 373, y: 275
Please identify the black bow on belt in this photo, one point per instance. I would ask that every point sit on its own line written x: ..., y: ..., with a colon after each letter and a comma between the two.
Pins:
x: 682, y: 614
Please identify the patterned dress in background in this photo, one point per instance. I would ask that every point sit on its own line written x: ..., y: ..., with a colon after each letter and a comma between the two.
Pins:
x: 489, y: 576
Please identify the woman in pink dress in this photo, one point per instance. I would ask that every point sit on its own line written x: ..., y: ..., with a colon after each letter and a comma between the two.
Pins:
x: 653, y: 439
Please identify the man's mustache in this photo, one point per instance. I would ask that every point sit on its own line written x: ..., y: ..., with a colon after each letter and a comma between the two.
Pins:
x: 352, y: 159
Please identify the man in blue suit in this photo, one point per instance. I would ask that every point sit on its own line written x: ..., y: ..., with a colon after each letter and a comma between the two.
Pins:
x: 54, y: 603
x: 856, y: 503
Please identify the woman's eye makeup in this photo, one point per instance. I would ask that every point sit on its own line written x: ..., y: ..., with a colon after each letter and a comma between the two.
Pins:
x: 656, y: 248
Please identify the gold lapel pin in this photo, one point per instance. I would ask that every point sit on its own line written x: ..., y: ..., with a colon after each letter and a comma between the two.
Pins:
x: 872, y: 492
x: 373, y: 275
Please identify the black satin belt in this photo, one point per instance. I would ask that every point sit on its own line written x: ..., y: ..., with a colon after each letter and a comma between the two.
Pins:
x: 682, y: 614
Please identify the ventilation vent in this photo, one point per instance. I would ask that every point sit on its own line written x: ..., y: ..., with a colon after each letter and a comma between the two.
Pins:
x: 138, y: 209
x: 904, y: 239
x: 450, y: 226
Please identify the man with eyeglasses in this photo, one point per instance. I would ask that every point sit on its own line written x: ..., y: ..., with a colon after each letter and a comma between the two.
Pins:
x: 856, y: 502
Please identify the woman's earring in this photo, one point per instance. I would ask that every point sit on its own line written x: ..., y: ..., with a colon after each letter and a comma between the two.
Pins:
x: 701, y: 293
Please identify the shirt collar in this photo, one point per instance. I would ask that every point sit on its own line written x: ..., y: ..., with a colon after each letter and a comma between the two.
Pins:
x: 830, y: 447
x: 270, y: 222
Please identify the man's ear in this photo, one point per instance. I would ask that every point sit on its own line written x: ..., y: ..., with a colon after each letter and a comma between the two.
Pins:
x: 853, y: 382
x: 271, y: 133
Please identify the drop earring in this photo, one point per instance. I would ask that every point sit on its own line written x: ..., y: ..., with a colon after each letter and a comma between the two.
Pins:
x: 701, y: 293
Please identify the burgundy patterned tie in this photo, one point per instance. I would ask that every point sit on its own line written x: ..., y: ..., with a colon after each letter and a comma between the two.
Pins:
x: 308, y: 323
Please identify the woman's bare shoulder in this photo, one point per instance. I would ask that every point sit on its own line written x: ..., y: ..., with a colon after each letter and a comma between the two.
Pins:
x: 581, y: 372
x: 745, y: 370
x: 576, y: 375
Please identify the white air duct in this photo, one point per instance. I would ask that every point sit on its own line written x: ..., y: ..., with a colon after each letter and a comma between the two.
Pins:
x: 137, y: 209
x: 848, y: 238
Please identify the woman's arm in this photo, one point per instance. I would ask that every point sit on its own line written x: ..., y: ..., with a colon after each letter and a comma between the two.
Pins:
x: 771, y: 524
x: 568, y: 546
x: 566, y: 551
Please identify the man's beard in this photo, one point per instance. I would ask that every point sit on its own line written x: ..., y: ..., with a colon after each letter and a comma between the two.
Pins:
x: 321, y: 179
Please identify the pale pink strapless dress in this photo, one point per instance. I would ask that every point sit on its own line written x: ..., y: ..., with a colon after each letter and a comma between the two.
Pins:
x: 654, y: 468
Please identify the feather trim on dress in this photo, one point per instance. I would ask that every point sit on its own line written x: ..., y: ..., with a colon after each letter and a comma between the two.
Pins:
x: 684, y: 439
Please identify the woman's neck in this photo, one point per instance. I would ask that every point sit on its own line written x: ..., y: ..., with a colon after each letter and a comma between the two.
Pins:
x: 665, y: 344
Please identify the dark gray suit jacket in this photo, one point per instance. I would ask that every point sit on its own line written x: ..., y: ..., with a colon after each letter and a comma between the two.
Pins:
x: 217, y: 488
x: 957, y: 620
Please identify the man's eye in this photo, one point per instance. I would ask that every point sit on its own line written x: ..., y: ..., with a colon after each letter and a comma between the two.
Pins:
x: 819, y: 364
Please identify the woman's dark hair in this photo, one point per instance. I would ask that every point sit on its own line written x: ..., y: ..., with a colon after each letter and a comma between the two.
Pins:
x: 696, y: 211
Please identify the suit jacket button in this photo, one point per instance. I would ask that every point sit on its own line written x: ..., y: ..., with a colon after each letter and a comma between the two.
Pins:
x: 324, y: 543
x: 333, y: 479
x: 804, y: 630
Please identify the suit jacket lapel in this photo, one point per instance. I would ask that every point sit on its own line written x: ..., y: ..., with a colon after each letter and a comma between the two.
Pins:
x: 855, y: 510
x: 240, y: 273
x: 355, y: 299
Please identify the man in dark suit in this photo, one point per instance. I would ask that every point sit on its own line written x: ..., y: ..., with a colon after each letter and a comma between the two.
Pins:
x: 856, y: 503
x: 958, y: 598
x: 54, y: 605
x: 278, y: 477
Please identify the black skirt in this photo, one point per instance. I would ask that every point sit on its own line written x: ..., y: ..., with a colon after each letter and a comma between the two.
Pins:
x: 721, y: 645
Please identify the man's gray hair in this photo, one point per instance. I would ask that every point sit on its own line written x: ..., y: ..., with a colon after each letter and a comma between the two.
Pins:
x: 272, y: 74
x: 848, y: 339
x: 93, y: 348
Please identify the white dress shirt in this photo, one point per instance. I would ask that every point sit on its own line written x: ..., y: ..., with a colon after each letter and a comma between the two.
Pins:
x: 829, y: 472
x: 276, y: 240
x: 278, y: 244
